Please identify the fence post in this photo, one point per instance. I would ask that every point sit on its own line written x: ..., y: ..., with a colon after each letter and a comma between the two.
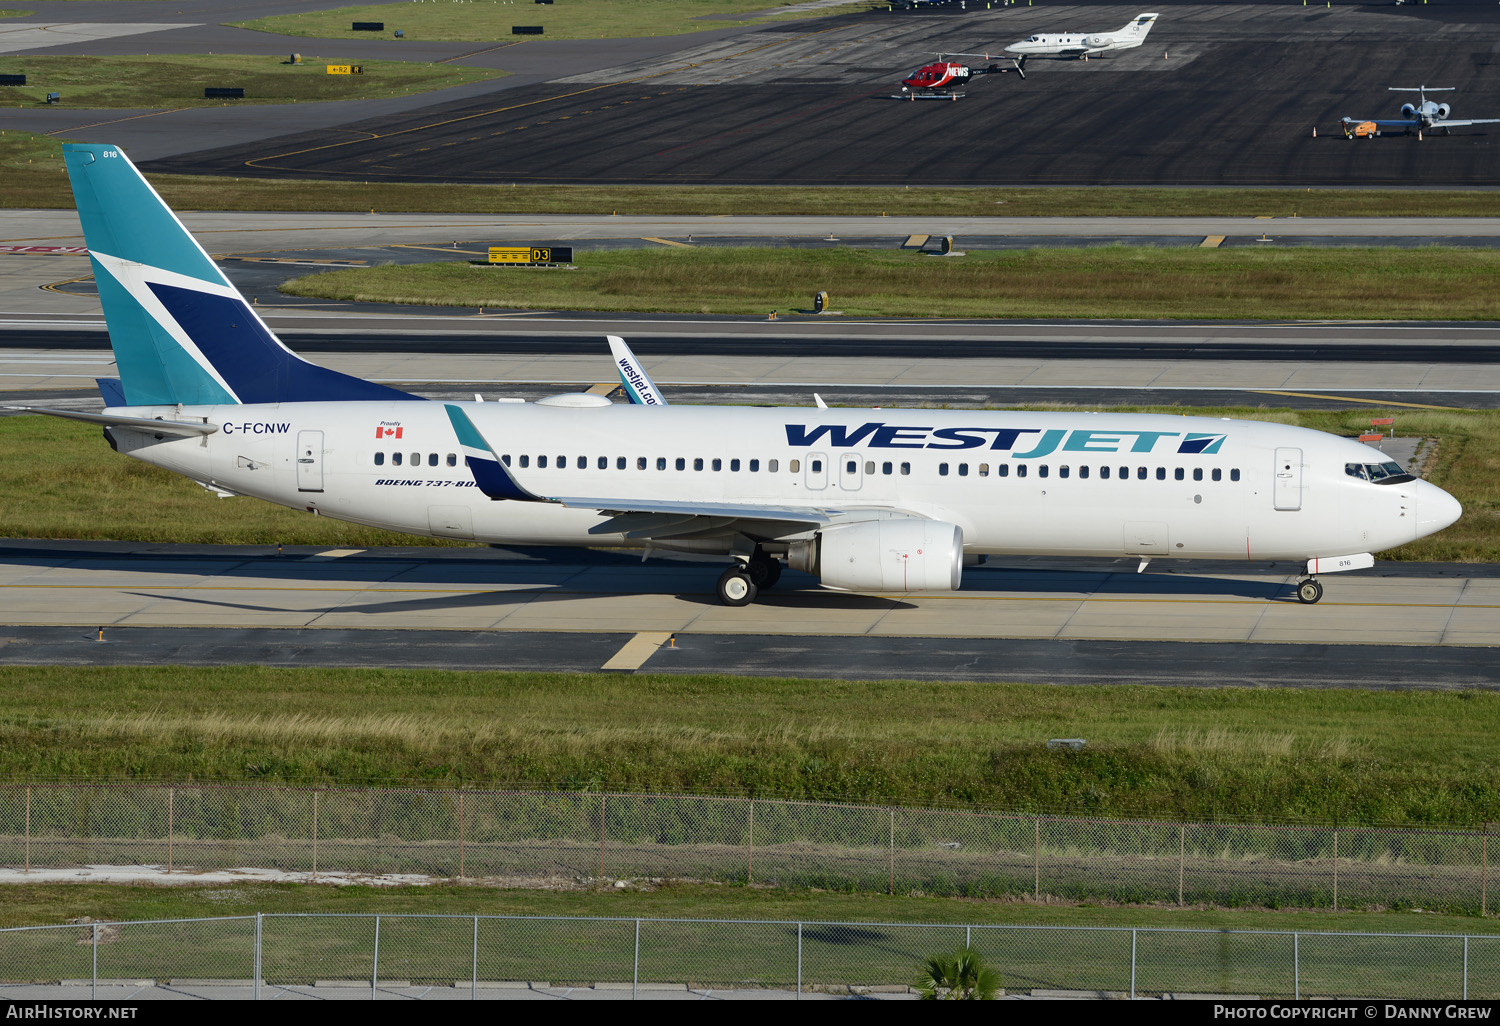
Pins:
x: 1296, y: 967
x: 750, y: 847
x: 1466, y: 968
x: 94, y: 978
x: 1335, y: 869
x: 375, y: 963
x: 600, y: 875
x: 1484, y: 870
x: 969, y: 936
x: 635, y: 973
x: 1181, y: 857
x: 799, y: 961
x: 255, y: 983
x: 1036, y: 864
x: 171, y: 793
x: 474, y: 965
x: 1132, y: 965
x: 460, y: 835
x: 893, y: 851
x: 28, y: 828
x: 315, y: 837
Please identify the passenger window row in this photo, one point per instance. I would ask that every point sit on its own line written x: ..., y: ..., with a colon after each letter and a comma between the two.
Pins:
x: 887, y: 468
x: 734, y: 466
x: 1084, y: 472
x: 416, y: 458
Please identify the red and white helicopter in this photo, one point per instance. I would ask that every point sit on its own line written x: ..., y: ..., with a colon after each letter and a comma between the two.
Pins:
x: 942, y: 78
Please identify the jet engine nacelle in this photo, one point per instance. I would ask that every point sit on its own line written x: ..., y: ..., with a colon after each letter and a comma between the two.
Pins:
x: 1096, y: 41
x: 1442, y: 111
x: 1408, y: 110
x: 884, y: 555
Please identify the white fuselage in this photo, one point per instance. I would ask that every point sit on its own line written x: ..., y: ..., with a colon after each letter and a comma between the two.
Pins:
x: 1085, y: 484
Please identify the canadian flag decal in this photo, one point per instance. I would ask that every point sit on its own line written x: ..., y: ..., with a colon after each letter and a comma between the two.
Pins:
x: 387, y: 432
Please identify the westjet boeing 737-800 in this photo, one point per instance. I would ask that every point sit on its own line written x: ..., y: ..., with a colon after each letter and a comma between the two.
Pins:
x: 867, y: 500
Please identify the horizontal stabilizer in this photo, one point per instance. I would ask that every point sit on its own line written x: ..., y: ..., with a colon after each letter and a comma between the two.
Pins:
x: 184, y: 428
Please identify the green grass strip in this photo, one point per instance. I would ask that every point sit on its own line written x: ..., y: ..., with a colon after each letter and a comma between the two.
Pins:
x: 1115, y: 281
x: 59, y: 479
x: 487, y: 20
x: 1196, y: 754
x: 178, y: 80
x: 41, y: 904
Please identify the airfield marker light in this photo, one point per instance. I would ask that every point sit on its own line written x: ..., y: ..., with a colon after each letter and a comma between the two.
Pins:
x: 101, y: 634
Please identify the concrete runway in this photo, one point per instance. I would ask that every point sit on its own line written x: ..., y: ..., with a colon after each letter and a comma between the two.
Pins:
x: 1063, y: 621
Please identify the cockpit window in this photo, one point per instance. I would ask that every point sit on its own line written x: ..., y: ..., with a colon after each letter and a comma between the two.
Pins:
x: 1378, y: 473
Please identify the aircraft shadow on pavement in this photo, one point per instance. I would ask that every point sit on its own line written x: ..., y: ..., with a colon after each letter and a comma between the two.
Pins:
x: 1122, y: 584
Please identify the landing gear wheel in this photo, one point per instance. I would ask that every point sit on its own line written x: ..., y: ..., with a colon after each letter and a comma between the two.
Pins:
x: 736, y: 588
x: 764, y: 571
x: 1309, y: 591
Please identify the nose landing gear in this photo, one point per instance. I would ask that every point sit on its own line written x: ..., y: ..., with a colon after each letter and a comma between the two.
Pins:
x: 1309, y: 590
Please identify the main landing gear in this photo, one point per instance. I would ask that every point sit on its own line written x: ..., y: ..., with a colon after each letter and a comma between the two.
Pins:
x: 742, y: 582
x: 1309, y: 590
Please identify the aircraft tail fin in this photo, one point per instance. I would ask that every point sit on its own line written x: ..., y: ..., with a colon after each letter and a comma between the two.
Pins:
x: 180, y: 331
x: 1139, y: 26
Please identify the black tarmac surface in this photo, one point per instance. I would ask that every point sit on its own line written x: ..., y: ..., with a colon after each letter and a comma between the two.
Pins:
x: 1191, y: 664
x: 1220, y: 95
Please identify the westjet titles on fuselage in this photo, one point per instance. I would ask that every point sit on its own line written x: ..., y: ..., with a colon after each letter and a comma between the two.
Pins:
x: 879, y: 435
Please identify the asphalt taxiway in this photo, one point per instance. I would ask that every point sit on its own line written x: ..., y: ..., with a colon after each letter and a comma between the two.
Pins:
x: 1070, y: 621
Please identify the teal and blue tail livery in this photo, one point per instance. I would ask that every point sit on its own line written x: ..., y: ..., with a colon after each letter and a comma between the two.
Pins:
x: 180, y: 331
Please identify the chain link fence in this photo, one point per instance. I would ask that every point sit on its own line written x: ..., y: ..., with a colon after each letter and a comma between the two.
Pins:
x: 373, y: 956
x: 520, y: 838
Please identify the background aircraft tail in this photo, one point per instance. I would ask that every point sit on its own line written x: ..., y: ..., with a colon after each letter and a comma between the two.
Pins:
x: 1139, y: 26
x: 181, y: 332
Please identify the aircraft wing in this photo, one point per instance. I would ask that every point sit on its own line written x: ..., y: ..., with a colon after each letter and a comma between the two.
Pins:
x: 1460, y: 123
x: 181, y: 428
x: 641, y: 519
x: 648, y: 519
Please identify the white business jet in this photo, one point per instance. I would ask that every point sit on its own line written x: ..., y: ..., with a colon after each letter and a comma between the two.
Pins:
x: 880, y: 501
x: 1084, y: 44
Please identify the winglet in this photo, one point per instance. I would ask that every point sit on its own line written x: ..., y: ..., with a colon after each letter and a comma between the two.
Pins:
x: 638, y: 384
x: 489, y: 473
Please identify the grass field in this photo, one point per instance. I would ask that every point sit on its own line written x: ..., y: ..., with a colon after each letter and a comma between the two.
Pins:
x: 1104, y: 281
x: 1353, y: 757
x: 178, y: 80
x: 56, y: 903
x: 65, y: 473
x: 487, y: 20
x: 59, y: 479
x: 33, y: 168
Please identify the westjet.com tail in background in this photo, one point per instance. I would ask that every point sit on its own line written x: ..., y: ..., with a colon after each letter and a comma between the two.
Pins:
x: 180, y: 331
